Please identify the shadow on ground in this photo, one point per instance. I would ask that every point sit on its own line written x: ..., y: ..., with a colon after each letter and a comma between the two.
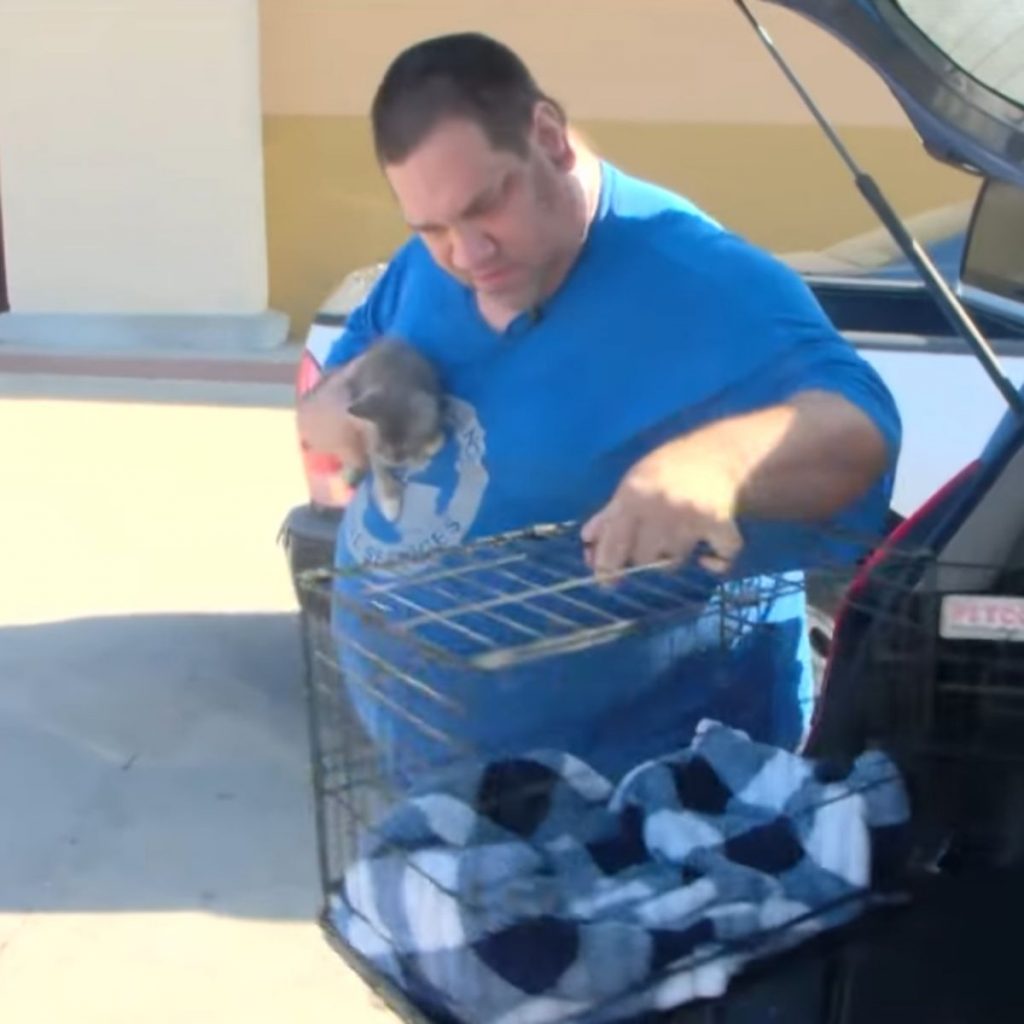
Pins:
x: 156, y: 762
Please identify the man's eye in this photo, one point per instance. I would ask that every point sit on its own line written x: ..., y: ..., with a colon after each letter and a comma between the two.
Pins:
x: 494, y: 202
x: 508, y: 186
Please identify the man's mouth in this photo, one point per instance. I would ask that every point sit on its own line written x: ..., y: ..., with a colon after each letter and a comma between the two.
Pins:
x: 492, y: 278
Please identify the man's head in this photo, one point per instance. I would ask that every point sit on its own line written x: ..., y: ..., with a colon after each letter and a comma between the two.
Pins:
x: 481, y: 162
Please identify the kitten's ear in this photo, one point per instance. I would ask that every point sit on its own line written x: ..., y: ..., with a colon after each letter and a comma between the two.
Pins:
x: 368, y: 406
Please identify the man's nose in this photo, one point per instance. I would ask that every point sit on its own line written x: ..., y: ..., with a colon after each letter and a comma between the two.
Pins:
x: 471, y: 248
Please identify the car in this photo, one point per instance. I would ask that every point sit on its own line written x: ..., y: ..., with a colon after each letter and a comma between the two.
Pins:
x: 310, y: 529
x: 868, y: 286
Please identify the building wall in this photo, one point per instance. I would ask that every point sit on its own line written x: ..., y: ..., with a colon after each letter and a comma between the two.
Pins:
x: 678, y: 90
x: 131, y: 156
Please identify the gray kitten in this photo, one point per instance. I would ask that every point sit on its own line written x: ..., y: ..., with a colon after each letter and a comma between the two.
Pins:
x: 398, y: 392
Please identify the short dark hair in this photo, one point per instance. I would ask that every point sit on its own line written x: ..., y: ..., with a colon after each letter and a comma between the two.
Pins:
x: 465, y: 75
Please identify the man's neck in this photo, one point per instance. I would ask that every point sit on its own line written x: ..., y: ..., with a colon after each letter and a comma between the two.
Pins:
x: 588, y: 174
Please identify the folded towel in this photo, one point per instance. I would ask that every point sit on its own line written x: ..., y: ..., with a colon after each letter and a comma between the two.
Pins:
x: 532, y: 891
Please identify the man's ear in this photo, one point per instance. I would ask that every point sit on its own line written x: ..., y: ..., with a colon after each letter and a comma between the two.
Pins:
x: 552, y: 135
x: 368, y: 406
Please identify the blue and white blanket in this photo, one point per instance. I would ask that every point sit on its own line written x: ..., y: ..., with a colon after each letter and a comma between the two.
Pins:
x: 532, y: 891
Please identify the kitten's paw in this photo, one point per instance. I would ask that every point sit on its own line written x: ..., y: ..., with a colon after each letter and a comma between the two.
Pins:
x: 353, y: 475
x: 390, y: 507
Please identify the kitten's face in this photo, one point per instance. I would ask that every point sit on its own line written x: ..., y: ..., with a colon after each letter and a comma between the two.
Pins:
x: 397, y: 393
x: 404, y: 429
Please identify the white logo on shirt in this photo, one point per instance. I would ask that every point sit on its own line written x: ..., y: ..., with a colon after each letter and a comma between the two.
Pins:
x: 432, y: 515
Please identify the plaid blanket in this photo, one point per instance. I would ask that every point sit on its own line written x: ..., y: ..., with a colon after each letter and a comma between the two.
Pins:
x: 530, y: 891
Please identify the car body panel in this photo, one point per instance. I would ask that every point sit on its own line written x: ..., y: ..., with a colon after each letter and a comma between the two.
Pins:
x: 949, y: 410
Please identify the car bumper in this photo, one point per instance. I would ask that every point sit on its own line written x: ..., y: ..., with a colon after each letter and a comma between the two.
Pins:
x: 308, y: 535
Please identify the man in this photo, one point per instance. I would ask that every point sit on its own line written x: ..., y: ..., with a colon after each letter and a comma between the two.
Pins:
x: 613, y: 356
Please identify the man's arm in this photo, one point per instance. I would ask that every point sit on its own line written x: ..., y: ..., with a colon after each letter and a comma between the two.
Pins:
x: 807, y: 459
x: 804, y: 459
x: 322, y: 415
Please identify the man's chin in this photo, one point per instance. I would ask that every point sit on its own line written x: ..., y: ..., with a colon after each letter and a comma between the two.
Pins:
x: 511, y: 293
x: 506, y: 296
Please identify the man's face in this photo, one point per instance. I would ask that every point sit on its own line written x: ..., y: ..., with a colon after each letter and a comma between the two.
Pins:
x: 494, y: 219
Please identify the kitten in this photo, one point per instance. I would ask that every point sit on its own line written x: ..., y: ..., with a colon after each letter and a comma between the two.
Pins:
x: 398, y: 392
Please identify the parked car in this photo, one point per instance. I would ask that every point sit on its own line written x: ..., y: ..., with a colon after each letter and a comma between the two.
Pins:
x: 310, y: 529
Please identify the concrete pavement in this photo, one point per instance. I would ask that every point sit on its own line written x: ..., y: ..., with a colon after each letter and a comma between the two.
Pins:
x: 156, y: 844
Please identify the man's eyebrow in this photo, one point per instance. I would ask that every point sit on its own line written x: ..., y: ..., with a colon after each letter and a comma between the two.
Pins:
x: 478, y: 202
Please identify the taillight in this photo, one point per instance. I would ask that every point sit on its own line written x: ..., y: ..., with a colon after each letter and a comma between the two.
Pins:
x: 849, y: 626
x: 323, y: 471
x: 308, y: 376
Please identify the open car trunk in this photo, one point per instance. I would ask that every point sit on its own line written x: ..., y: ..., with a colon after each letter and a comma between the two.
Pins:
x: 946, y: 957
x: 955, y: 66
x: 957, y: 69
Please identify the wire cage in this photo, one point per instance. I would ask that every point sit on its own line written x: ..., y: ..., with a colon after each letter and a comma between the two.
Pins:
x: 484, y: 858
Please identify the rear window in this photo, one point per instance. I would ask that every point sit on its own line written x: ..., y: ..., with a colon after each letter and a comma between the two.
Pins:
x: 994, y: 261
x: 874, y: 254
x: 985, y: 38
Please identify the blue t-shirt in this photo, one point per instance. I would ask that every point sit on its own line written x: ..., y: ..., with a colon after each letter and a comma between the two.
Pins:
x: 665, y: 323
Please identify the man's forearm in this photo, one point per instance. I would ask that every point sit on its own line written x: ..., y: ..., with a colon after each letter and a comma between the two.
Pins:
x: 806, y: 459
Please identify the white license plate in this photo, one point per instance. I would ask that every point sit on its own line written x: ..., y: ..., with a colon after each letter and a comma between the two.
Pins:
x: 982, y: 617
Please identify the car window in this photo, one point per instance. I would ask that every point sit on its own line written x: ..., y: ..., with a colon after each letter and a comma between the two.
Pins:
x: 940, y: 230
x: 985, y: 38
x: 994, y: 262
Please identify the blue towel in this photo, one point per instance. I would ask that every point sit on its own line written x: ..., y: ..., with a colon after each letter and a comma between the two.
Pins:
x: 532, y: 891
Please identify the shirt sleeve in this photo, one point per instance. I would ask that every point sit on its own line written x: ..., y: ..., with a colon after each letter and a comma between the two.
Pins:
x: 835, y: 366
x: 801, y: 350
x: 761, y: 337
x: 805, y: 352
x: 371, y: 318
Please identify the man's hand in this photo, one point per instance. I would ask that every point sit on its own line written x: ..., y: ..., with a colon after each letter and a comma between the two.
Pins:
x: 669, y: 503
x: 802, y: 461
x: 326, y: 425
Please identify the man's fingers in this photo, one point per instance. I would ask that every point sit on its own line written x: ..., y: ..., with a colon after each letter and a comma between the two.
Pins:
x: 653, y: 544
x: 352, y: 446
x: 592, y: 527
x: 589, y: 534
x: 613, y: 545
x: 714, y: 564
x: 353, y: 475
x: 726, y: 542
x: 617, y: 537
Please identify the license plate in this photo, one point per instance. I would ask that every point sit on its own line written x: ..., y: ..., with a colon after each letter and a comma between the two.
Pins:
x: 982, y: 617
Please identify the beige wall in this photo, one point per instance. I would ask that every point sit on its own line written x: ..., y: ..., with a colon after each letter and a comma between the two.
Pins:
x: 680, y: 91
x: 131, y: 156
x: 693, y: 61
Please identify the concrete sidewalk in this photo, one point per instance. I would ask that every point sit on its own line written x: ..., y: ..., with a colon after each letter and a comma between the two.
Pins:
x: 157, y: 861
x: 186, y: 376
x: 274, y: 366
